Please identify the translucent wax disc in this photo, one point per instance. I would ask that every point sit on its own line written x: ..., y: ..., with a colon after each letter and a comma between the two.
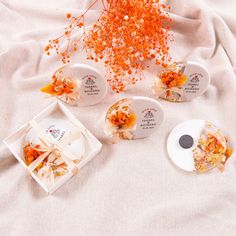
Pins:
x: 91, y: 86
x: 195, y: 80
x: 134, y: 118
x: 198, y: 145
x: 57, y: 129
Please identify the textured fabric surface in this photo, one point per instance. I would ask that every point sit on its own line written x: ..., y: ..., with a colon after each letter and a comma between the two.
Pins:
x: 130, y: 188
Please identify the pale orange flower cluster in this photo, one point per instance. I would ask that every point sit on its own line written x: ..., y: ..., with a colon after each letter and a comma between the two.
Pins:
x: 127, y: 34
x: 173, y: 79
x: 214, y: 155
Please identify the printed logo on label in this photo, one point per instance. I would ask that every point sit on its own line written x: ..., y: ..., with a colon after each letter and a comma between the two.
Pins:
x: 89, y: 81
x: 55, y: 133
x: 90, y: 86
x: 195, y: 79
x: 149, y: 119
x: 193, y: 85
x: 149, y: 114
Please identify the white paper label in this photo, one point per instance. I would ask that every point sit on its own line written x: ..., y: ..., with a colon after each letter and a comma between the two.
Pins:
x: 197, y: 83
x: 149, y: 119
x: 55, y: 132
x: 92, y: 88
x: 150, y: 116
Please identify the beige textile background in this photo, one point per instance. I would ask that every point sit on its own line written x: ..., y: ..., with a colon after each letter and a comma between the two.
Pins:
x: 130, y: 188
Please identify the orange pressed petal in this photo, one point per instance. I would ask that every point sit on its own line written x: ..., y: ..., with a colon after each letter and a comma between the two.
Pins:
x: 49, y: 89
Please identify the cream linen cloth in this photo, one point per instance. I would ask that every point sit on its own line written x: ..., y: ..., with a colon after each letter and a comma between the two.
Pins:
x: 130, y: 188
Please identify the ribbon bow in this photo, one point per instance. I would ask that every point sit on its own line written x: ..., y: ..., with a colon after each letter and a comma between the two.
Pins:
x: 49, y: 147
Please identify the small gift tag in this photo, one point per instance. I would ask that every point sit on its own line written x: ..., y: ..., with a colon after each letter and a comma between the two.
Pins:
x: 182, y: 82
x: 134, y: 118
x: 77, y: 84
x: 198, y: 145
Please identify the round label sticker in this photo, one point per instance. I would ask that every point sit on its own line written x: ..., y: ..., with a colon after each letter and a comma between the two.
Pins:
x: 182, y: 82
x: 89, y: 86
x: 134, y: 118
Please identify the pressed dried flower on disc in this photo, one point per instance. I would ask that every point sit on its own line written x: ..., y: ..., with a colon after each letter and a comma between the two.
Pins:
x: 181, y: 82
x: 77, y: 84
x: 198, y: 145
x: 52, y: 166
x: 133, y: 118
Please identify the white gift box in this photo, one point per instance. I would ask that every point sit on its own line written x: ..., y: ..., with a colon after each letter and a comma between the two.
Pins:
x: 86, y: 147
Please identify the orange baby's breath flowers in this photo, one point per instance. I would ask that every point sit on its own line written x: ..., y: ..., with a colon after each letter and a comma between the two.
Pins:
x: 213, y: 150
x: 31, y: 153
x: 59, y: 86
x: 173, y: 79
x: 127, y: 34
x: 123, y: 119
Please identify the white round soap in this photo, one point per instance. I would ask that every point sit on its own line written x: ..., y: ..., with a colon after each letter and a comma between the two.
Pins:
x: 197, y: 82
x: 56, y: 129
x: 92, y: 86
x: 148, y: 112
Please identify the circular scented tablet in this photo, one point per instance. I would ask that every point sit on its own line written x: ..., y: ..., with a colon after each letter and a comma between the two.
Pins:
x: 134, y: 118
x: 77, y: 84
x: 198, y: 145
x: 57, y: 129
x: 182, y: 82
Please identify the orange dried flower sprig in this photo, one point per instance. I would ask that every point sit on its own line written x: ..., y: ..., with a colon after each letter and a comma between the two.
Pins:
x: 122, y: 119
x: 126, y: 35
x: 59, y: 86
x: 213, y: 150
x: 173, y: 79
x: 31, y: 153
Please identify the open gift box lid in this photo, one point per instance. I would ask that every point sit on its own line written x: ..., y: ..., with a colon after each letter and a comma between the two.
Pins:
x: 55, y: 121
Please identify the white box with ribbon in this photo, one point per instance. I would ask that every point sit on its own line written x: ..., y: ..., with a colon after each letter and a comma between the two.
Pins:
x: 53, y: 146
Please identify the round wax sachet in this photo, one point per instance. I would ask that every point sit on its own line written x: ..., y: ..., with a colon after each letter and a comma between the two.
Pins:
x: 77, y: 84
x: 182, y: 82
x: 134, y: 118
x: 198, y: 145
